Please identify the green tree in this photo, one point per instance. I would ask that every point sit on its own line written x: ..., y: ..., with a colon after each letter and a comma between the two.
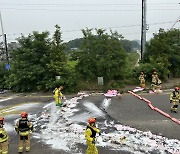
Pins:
x: 29, y: 62
x: 58, y: 64
x: 3, y: 76
x: 126, y: 45
x: 164, y: 49
x: 38, y: 60
x: 101, y: 55
x: 58, y: 59
x: 76, y: 43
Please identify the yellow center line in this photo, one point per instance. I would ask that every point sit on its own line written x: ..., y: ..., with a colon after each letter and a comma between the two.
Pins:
x: 7, y: 110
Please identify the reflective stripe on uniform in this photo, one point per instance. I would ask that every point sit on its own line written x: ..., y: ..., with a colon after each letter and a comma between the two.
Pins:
x: 27, y: 148
x: 20, y: 149
x: 26, y: 133
x: 5, y: 137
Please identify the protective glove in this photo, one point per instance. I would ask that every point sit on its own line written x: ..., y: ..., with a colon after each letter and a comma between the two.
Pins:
x: 1, y: 135
x: 31, y: 128
x: 93, y: 141
x: 17, y: 131
x: 170, y: 101
x: 99, y: 133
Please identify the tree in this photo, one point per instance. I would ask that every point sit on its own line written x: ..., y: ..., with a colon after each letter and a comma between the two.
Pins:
x: 57, y: 57
x: 101, y: 55
x: 37, y: 61
x: 58, y: 64
x: 3, y: 75
x: 29, y: 62
x: 164, y: 49
x: 126, y: 45
x: 76, y: 43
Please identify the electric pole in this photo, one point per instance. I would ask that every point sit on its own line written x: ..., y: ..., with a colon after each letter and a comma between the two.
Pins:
x: 143, y: 28
x: 2, y: 31
x: 6, y: 49
x: 5, y: 44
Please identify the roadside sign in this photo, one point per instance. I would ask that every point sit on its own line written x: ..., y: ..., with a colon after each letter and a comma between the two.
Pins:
x: 58, y: 77
x: 100, y: 81
x: 8, y: 67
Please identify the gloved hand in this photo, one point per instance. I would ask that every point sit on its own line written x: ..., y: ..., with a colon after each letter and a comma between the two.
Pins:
x: 17, y: 131
x: 1, y: 135
x: 31, y: 128
x: 99, y: 133
x: 170, y: 101
x: 93, y: 141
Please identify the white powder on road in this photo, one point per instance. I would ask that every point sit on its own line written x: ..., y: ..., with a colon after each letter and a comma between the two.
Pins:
x: 66, y: 132
x: 60, y: 128
x: 106, y: 102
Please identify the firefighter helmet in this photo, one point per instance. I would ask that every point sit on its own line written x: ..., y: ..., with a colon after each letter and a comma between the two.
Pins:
x: 1, y: 120
x: 176, y: 88
x: 92, y: 120
x: 24, y: 114
x: 61, y: 87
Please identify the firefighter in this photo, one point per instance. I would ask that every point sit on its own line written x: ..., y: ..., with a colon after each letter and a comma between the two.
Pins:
x: 58, y: 96
x: 3, y: 138
x: 142, y: 79
x: 174, y: 99
x: 90, y: 135
x: 23, y: 128
x: 156, y: 82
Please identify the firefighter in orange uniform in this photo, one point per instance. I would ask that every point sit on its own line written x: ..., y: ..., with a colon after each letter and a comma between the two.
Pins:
x: 23, y: 128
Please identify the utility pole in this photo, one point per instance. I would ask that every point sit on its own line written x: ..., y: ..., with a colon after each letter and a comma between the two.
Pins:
x: 6, y: 49
x: 2, y: 30
x: 5, y: 44
x: 143, y: 28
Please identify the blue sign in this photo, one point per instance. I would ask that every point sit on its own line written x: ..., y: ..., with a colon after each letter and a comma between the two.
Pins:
x: 8, y: 67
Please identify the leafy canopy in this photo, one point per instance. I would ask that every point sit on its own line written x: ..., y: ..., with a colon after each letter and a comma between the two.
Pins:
x: 101, y: 55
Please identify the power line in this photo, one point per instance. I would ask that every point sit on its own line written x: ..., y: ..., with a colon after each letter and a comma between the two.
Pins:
x: 113, y: 27
x: 80, y: 4
x: 85, y: 10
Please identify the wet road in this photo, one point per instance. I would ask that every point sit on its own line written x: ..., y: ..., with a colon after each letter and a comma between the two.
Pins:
x: 127, y: 110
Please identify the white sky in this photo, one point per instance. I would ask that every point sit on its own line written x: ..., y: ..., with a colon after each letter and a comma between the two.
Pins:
x: 25, y: 16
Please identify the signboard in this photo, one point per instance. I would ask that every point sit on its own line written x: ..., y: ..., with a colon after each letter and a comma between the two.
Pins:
x: 58, y: 77
x: 8, y: 67
x: 100, y: 81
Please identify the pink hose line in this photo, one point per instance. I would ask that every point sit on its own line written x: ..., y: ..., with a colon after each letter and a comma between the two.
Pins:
x: 154, y: 108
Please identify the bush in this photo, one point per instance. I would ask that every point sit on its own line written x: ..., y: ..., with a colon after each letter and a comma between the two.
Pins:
x: 148, y: 69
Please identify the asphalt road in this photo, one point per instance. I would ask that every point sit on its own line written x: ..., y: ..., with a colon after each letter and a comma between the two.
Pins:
x: 127, y: 110
x: 134, y: 112
x: 37, y: 146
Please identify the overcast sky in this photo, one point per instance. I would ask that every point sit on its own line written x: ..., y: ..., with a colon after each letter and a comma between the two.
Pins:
x: 124, y: 16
